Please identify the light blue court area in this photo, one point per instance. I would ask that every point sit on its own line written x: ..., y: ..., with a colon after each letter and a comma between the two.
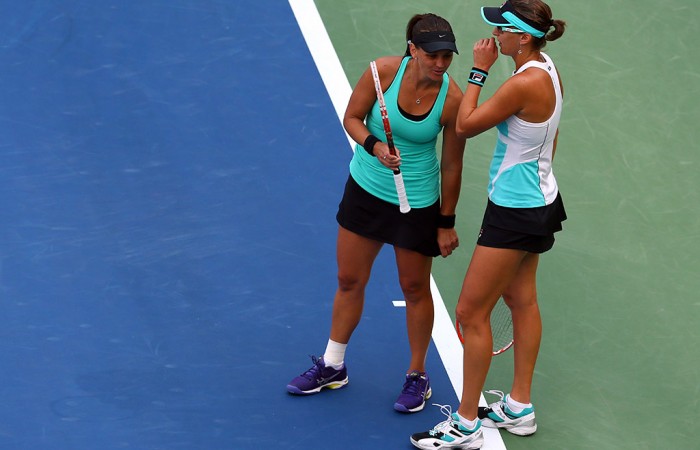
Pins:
x: 169, y: 177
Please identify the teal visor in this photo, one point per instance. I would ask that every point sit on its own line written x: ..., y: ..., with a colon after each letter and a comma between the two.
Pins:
x: 507, y: 16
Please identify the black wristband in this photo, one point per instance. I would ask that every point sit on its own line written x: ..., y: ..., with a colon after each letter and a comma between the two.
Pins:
x: 477, y: 76
x: 369, y: 144
x: 446, y: 221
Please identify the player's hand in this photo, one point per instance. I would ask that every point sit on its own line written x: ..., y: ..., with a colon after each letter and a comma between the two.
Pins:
x: 381, y: 151
x: 485, y: 53
x: 448, y: 241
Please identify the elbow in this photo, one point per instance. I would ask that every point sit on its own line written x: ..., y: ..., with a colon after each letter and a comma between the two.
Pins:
x: 462, y: 132
x: 465, y: 132
x: 350, y: 121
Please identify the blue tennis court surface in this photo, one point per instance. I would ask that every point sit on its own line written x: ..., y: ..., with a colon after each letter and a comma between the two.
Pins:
x: 170, y: 174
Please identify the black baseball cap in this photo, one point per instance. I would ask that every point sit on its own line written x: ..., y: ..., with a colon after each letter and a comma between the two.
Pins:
x: 434, y: 41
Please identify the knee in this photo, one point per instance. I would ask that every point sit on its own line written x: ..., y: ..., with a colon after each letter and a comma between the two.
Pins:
x: 520, y: 299
x: 415, y: 290
x: 471, y: 317
x: 350, y: 281
x: 464, y: 316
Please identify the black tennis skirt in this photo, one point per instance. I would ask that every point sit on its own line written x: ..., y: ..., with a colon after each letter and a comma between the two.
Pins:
x: 528, y: 229
x: 373, y: 218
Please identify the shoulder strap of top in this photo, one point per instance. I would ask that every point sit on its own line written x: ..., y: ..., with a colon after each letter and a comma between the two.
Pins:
x: 547, y: 66
x: 399, y: 73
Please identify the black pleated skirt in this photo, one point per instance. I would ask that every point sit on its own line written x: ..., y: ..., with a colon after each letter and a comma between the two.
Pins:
x: 373, y: 218
x: 528, y: 229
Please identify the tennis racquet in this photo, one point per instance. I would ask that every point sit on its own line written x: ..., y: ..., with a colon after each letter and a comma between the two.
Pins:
x: 404, y: 206
x: 501, y: 328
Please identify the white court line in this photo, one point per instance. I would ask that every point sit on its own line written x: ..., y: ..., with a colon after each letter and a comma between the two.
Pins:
x: 339, y: 90
x: 324, y: 55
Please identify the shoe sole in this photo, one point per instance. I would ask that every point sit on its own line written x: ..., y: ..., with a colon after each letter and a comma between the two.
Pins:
x: 334, y: 385
x: 471, y: 446
x: 512, y: 429
x: 522, y: 431
x: 401, y: 408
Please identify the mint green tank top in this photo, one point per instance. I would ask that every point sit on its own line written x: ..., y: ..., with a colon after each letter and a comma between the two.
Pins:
x: 416, y: 142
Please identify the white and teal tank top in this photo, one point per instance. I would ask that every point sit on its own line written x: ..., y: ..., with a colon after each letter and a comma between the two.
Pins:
x: 521, y: 169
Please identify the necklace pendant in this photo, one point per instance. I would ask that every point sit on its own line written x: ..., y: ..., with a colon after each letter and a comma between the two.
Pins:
x: 418, y: 102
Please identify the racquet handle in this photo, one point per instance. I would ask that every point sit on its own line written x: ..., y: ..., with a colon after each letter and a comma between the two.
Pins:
x: 404, y: 207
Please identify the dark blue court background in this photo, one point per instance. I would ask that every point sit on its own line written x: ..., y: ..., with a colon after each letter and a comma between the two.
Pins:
x: 169, y: 176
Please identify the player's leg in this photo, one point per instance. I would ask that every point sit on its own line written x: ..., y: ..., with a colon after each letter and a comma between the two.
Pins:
x: 414, y: 278
x: 355, y: 257
x: 521, y: 298
x: 490, y: 272
x: 513, y: 411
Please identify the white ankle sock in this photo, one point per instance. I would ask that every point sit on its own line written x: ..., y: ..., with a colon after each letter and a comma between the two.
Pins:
x: 515, y: 406
x: 335, y: 354
x: 470, y: 424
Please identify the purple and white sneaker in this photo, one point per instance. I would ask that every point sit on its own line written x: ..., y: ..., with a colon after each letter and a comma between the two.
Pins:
x: 318, y: 377
x: 416, y: 390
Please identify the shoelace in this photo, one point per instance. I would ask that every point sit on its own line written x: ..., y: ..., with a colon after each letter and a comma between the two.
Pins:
x: 496, y: 392
x: 314, y: 372
x: 500, y: 394
x: 446, y: 410
x: 412, y: 385
x: 502, y: 404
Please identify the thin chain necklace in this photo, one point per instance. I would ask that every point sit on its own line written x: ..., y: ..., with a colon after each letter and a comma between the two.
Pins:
x: 419, y: 98
x: 412, y: 76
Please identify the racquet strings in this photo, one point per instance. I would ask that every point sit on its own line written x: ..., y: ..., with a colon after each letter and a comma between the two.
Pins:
x: 501, y: 326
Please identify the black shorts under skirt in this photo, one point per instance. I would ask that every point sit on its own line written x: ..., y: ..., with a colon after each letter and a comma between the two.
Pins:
x: 528, y: 229
x: 373, y: 218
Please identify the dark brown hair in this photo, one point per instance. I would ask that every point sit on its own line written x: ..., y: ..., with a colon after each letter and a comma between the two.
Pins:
x: 540, y: 13
x: 424, y: 22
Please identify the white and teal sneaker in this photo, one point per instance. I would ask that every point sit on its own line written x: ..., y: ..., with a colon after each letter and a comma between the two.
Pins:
x: 498, y: 415
x: 449, y: 434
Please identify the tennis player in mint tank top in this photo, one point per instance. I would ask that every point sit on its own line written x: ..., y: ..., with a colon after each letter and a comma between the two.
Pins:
x: 422, y: 101
x: 524, y: 210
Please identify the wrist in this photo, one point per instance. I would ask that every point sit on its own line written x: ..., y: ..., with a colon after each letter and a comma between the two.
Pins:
x: 444, y: 221
x: 369, y: 143
x: 478, y: 76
